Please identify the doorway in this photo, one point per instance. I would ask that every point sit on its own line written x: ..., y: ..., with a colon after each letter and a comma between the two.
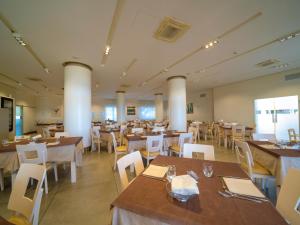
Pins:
x: 277, y: 115
x: 19, y: 120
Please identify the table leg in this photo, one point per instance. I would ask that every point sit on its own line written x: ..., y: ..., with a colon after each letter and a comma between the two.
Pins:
x: 225, y: 141
x: 73, y: 172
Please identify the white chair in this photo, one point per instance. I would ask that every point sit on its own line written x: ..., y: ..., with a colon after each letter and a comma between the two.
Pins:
x: 46, y: 132
x: 95, y: 137
x: 207, y: 150
x: 36, y: 137
x: 119, y: 150
x: 127, y: 160
x: 154, y: 147
x: 61, y: 134
x: 27, y: 209
x: 36, y: 154
x: 183, y: 138
x: 288, y: 197
x: 293, y: 137
x: 264, y: 137
x: 196, y: 134
x: 137, y: 130
x: 253, y: 168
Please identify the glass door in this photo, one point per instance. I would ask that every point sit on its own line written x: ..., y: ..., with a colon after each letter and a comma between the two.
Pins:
x: 19, y: 120
x: 277, y: 115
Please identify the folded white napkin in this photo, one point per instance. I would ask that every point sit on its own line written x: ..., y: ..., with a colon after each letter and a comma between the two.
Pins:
x: 184, y: 185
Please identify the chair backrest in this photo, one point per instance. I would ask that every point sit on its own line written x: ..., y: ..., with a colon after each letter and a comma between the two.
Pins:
x: 289, y: 197
x: 61, y: 134
x: 208, y: 150
x: 34, y: 153
x: 45, y: 132
x: 158, y: 129
x: 292, y: 135
x: 238, y: 131
x: 22, y: 204
x: 95, y: 131
x: 185, y: 138
x: 243, y: 152
x: 132, y: 158
x: 27, y: 137
x: 264, y: 137
x: 154, y: 143
x: 137, y: 130
x: 113, y: 137
x: 194, y: 130
x: 36, y: 137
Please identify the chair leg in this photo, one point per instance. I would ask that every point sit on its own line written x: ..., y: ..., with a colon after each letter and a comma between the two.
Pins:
x: 1, y: 180
x: 147, y: 161
x: 46, y: 184
x: 55, y: 171
x: 115, y: 164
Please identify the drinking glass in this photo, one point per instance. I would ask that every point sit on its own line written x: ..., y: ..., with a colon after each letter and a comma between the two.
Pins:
x: 171, y: 172
x: 208, y: 169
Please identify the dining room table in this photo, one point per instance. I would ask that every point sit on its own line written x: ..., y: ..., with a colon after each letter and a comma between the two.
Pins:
x: 276, y: 158
x: 228, y: 132
x: 4, y: 221
x: 107, y: 138
x: 146, y: 200
x: 63, y: 149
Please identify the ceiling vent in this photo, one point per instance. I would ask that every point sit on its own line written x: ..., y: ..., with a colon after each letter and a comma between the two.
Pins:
x: 267, y: 62
x: 34, y: 79
x: 292, y: 76
x: 170, y: 30
x: 202, y: 95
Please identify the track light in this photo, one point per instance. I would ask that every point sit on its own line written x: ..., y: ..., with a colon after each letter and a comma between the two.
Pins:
x: 18, y: 38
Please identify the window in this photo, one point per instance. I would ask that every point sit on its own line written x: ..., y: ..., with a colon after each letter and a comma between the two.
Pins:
x: 147, y: 112
x: 111, y: 113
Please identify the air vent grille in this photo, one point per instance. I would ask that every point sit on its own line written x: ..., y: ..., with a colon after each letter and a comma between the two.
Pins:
x: 292, y: 76
x: 170, y: 30
x: 267, y: 62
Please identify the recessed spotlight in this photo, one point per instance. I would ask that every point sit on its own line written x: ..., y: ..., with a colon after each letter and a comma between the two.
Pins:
x: 46, y: 70
x: 206, y: 46
x: 18, y: 38
x: 107, y: 49
x: 211, y: 44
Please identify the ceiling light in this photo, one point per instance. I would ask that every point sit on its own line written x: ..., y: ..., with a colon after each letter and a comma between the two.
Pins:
x: 288, y: 37
x: 18, y: 38
x: 206, y: 46
x: 107, y: 49
x: 46, y: 70
x: 211, y: 44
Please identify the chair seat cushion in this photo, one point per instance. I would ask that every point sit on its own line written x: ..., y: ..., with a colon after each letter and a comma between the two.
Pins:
x: 19, y: 220
x: 175, y: 148
x: 144, y: 153
x: 122, y: 148
x: 257, y: 168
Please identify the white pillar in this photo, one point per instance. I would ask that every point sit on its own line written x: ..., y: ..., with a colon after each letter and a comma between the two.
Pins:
x: 177, y: 102
x: 120, y: 106
x: 78, y: 100
x: 159, y: 107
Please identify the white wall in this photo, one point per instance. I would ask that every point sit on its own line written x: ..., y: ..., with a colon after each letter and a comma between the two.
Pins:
x: 50, y: 109
x: 203, y: 106
x: 235, y: 102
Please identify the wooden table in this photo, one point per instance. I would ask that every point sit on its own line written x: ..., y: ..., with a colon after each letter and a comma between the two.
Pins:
x: 276, y: 160
x: 145, y: 200
x: 69, y: 149
x: 4, y: 221
x: 106, y: 136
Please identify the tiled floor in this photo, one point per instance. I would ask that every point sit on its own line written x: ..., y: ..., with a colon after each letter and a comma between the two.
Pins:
x: 87, y: 201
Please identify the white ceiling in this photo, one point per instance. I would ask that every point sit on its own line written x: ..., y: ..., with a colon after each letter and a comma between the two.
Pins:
x: 76, y: 30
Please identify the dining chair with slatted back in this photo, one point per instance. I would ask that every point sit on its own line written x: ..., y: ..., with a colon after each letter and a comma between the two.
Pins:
x: 293, y: 137
x: 36, y: 153
x: 61, y: 134
x: 220, y: 134
x: 253, y: 168
x: 119, y: 150
x: 207, y: 150
x: 36, y: 137
x: 288, y: 201
x: 154, y: 147
x: 127, y: 160
x: 238, y: 134
x: 27, y: 208
x: 264, y: 137
x: 183, y: 138
x: 96, y: 137
x: 195, y: 130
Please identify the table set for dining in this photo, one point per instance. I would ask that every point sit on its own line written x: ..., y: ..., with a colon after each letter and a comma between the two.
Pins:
x: 64, y: 149
x: 147, y: 200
